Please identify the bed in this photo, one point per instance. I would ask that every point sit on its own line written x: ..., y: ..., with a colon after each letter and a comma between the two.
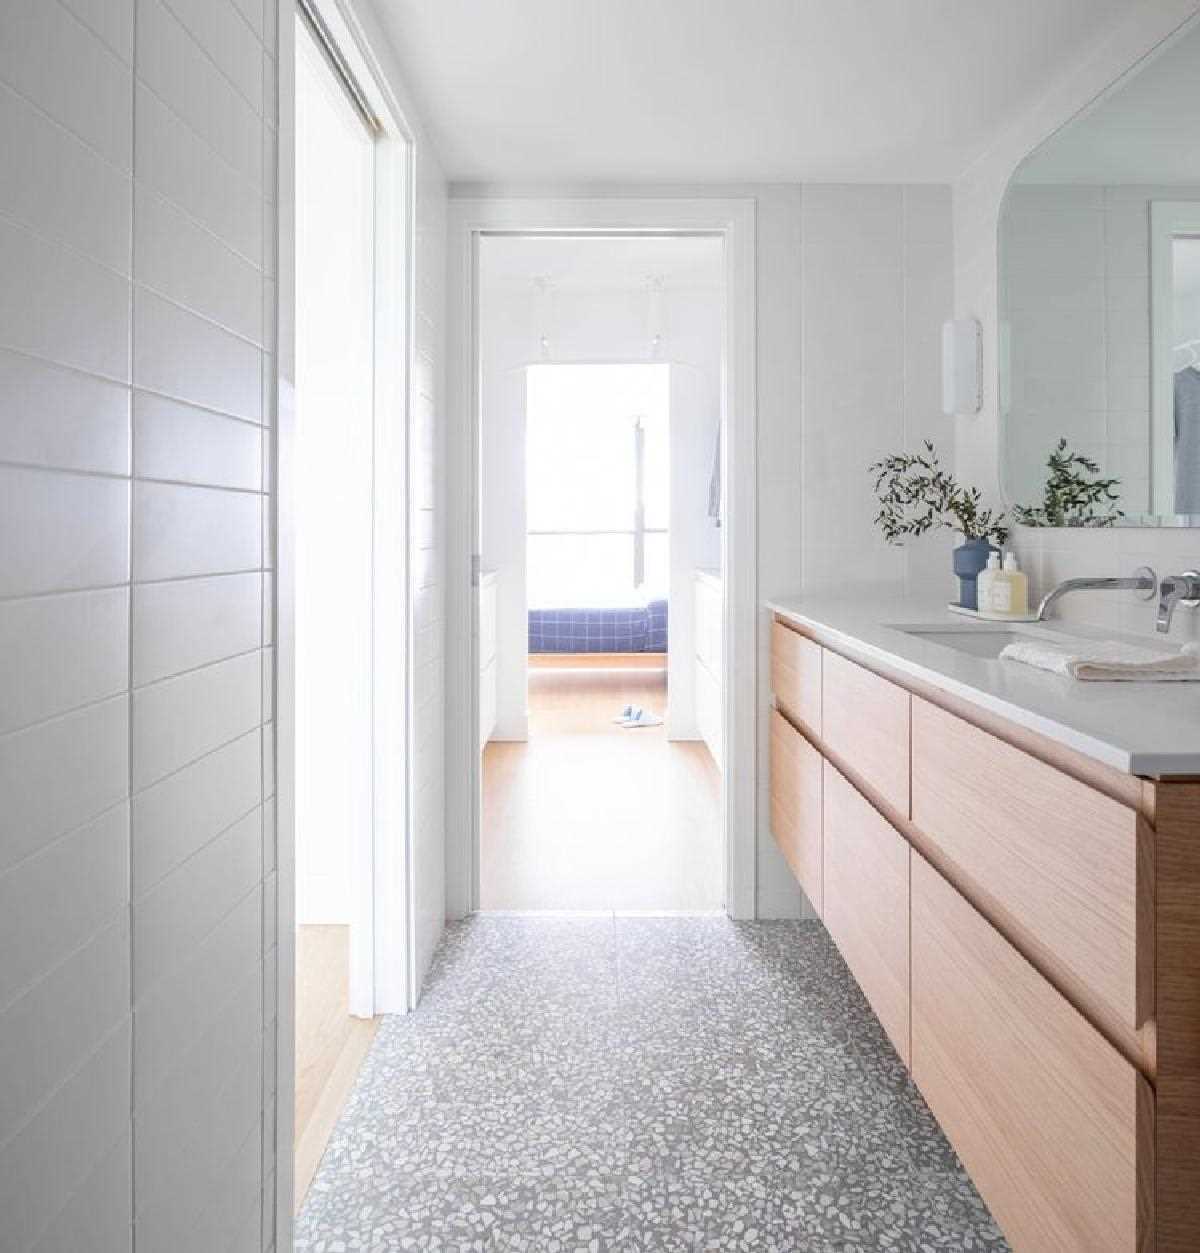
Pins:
x: 642, y: 629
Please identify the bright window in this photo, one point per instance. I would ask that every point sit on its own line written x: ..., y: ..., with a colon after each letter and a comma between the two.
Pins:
x: 597, y: 485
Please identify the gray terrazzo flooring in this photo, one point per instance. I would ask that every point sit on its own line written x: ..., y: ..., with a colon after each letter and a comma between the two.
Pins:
x: 638, y: 1084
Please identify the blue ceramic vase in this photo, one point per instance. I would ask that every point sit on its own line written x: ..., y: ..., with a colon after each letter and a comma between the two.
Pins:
x: 969, y: 559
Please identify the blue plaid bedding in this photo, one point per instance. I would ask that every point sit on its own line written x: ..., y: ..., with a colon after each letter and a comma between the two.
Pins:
x: 641, y: 630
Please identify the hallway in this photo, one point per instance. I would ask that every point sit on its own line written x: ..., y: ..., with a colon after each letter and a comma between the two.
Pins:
x: 638, y: 1084
x: 588, y: 815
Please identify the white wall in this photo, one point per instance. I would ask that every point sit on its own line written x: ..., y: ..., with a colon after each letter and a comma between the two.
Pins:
x: 1076, y: 268
x: 587, y: 325
x: 137, y: 847
x: 427, y: 748
x: 1053, y: 555
x: 877, y: 285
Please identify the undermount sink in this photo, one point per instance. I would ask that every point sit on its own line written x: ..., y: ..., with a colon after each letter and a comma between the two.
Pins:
x: 980, y: 641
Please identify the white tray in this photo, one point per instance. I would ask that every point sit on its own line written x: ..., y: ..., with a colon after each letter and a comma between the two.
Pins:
x: 991, y: 617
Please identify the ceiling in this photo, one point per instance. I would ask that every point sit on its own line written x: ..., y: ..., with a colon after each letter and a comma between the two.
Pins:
x: 614, y: 263
x: 728, y: 90
x: 1144, y: 131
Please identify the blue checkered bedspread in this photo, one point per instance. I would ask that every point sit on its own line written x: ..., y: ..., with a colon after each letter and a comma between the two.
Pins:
x: 640, y: 630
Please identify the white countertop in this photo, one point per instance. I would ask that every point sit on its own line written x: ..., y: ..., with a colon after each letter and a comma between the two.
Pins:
x: 1149, y: 729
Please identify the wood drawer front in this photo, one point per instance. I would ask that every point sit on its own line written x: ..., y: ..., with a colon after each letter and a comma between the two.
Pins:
x: 865, y: 723
x: 1053, y: 861
x: 866, y: 901
x: 1052, y: 1124
x: 796, y: 805
x: 796, y: 675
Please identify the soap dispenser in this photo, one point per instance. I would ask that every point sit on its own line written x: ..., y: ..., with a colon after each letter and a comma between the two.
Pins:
x: 1012, y: 587
x: 986, y: 582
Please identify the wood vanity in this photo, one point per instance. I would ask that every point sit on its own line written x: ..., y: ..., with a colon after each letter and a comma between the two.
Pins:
x: 1024, y: 920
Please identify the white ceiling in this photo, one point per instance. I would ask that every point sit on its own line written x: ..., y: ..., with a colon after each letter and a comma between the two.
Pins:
x: 728, y: 90
x: 1144, y: 131
x: 614, y: 263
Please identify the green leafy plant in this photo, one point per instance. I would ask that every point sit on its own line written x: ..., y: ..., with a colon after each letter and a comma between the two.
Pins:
x: 1075, y: 495
x: 917, y: 495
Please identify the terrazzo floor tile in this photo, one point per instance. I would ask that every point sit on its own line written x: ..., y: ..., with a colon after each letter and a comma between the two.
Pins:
x: 640, y: 1084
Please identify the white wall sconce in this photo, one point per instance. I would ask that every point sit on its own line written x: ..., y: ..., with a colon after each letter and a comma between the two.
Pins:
x: 962, y: 366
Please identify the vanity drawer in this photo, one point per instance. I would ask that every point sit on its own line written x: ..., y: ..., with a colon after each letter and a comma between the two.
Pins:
x: 796, y: 804
x: 1053, y: 1125
x: 865, y: 723
x: 1053, y: 861
x: 866, y: 901
x: 796, y: 675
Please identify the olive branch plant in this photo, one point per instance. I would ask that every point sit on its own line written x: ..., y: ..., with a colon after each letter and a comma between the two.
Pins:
x: 1074, y: 495
x: 916, y: 494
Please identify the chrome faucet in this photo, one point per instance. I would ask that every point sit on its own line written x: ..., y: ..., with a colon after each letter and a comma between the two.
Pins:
x: 1142, y: 580
x: 1176, y: 589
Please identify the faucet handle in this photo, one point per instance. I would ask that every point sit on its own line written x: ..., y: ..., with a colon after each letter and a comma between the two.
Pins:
x: 1187, y: 585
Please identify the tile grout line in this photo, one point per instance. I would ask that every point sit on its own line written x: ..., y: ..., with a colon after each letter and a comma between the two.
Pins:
x: 133, y: 226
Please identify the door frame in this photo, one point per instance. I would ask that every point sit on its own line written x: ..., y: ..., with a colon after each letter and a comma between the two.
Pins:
x: 734, y: 220
x: 383, y: 968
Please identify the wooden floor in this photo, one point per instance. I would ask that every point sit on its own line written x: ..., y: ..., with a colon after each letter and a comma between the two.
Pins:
x: 330, y: 1045
x: 589, y: 815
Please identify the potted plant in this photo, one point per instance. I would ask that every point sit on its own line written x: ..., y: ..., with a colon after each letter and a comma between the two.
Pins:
x: 1071, y: 497
x: 917, y: 495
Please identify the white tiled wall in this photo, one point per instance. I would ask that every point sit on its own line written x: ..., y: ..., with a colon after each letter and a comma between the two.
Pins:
x: 877, y: 284
x: 136, y: 832
x: 1075, y: 286
x: 429, y: 566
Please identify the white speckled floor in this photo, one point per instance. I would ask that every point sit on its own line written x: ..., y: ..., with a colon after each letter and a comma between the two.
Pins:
x: 638, y: 1084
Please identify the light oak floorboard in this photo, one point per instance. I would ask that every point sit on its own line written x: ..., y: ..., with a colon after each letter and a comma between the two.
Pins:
x: 330, y: 1044
x: 587, y: 815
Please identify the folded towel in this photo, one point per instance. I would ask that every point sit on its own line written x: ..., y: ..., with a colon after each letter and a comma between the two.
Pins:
x: 1106, y: 660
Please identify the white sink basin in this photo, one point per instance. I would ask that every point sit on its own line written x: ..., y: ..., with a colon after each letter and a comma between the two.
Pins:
x: 985, y: 640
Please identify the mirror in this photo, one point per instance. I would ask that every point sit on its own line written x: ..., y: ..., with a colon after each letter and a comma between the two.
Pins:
x: 1100, y: 303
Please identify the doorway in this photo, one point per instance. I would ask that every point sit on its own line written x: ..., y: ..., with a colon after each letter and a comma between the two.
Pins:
x: 347, y: 573
x: 600, y: 497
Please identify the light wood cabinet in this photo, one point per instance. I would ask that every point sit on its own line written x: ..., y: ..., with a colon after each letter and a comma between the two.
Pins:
x: 1026, y: 925
x: 796, y: 676
x: 865, y: 727
x: 796, y: 805
x: 1060, y: 864
x: 1051, y: 1122
x: 866, y: 901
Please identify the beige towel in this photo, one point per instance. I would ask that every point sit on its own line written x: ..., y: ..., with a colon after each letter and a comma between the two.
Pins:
x: 1106, y: 660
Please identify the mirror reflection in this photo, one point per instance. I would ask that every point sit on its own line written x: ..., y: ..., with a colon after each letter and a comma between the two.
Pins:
x: 1100, y: 306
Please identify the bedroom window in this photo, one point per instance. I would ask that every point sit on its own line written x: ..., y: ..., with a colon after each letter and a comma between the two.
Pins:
x: 597, y: 485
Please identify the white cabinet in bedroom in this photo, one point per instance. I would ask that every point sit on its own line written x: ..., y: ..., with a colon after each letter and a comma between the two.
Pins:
x: 486, y: 652
x: 708, y: 603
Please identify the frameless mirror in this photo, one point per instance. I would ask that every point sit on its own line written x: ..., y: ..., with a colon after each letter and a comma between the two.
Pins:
x: 1100, y: 306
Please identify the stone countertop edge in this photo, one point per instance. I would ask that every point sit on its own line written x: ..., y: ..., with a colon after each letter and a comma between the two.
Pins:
x: 1142, y: 728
